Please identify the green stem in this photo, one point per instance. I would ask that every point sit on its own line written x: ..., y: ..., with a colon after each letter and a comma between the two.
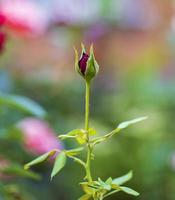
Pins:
x: 89, y: 150
x: 87, y: 103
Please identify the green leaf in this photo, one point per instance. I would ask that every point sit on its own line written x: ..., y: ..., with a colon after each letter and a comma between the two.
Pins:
x: 81, y: 136
x: 65, y: 136
x: 73, y: 152
x: 20, y: 172
x: 129, y: 191
x: 74, y: 132
x: 60, y: 162
x: 123, y: 179
x: 78, y: 134
x: 104, y: 185
x: 127, y: 123
x: 87, y: 188
x: 22, y: 103
x: 109, y: 181
x: 85, y: 197
x: 40, y: 159
x: 92, y: 131
x: 112, y: 192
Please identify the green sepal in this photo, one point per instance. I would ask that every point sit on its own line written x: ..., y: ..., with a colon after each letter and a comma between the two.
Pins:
x: 77, y: 69
x: 92, y: 66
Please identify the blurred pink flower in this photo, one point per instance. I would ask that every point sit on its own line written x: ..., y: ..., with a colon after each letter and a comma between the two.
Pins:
x: 39, y: 138
x: 2, y: 19
x: 2, y: 34
x: 75, y: 12
x: 24, y: 16
x: 2, y: 41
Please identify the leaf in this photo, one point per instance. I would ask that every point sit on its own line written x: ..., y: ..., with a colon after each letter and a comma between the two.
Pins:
x: 73, y: 152
x: 65, y: 136
x: 109, y: 181
x: 85, y: 197
x: 129, y: 191
x: 60, y: 162
x: 123, y: 179
x: 81, y: 139
x: 81, y: 136
x: 92, y: 131
x: 78, y: 134
x: 20, y: 172
x: 87, y: 188
x: 23, y: 103
x: 74, y: 132
x: 127, y: 123
x: 104, y: 185
x: 40, y: 159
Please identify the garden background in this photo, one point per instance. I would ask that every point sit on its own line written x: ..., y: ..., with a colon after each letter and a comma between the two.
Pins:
x: 134, y: 43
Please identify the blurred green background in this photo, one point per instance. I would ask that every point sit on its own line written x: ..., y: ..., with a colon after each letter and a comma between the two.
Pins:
x: 134, y: 42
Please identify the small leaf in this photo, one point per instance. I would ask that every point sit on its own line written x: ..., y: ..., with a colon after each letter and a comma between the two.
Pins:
x: 127, y: 123
x: 123, y: 179
x: 73, y: 152
x: 92, y: 131
x: 85, y: 197
x: 74, y: 132
x: 87, y: 188
x: 78, y: 134
x: 65, y: 136
x: 23, y: 103
x: 129, y: 191
x: 104, y: 185
x: 40, y: 159
x: 60, y: 162
x: 81, y: 139
x: 109, y: 181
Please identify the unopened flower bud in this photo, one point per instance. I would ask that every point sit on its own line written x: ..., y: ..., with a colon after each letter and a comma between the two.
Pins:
x: 86, y: 66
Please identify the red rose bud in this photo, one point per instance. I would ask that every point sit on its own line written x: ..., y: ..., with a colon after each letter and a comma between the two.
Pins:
x: 83, y: 62
x: 86, y: 66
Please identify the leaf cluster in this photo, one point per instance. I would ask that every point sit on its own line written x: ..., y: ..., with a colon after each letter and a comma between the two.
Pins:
x: 99, y: 189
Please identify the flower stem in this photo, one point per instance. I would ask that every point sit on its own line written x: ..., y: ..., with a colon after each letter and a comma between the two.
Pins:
x: 87, y: 103
x: 89, y: 150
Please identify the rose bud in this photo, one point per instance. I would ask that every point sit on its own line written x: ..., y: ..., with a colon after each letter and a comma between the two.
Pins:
x: 86, y: 66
